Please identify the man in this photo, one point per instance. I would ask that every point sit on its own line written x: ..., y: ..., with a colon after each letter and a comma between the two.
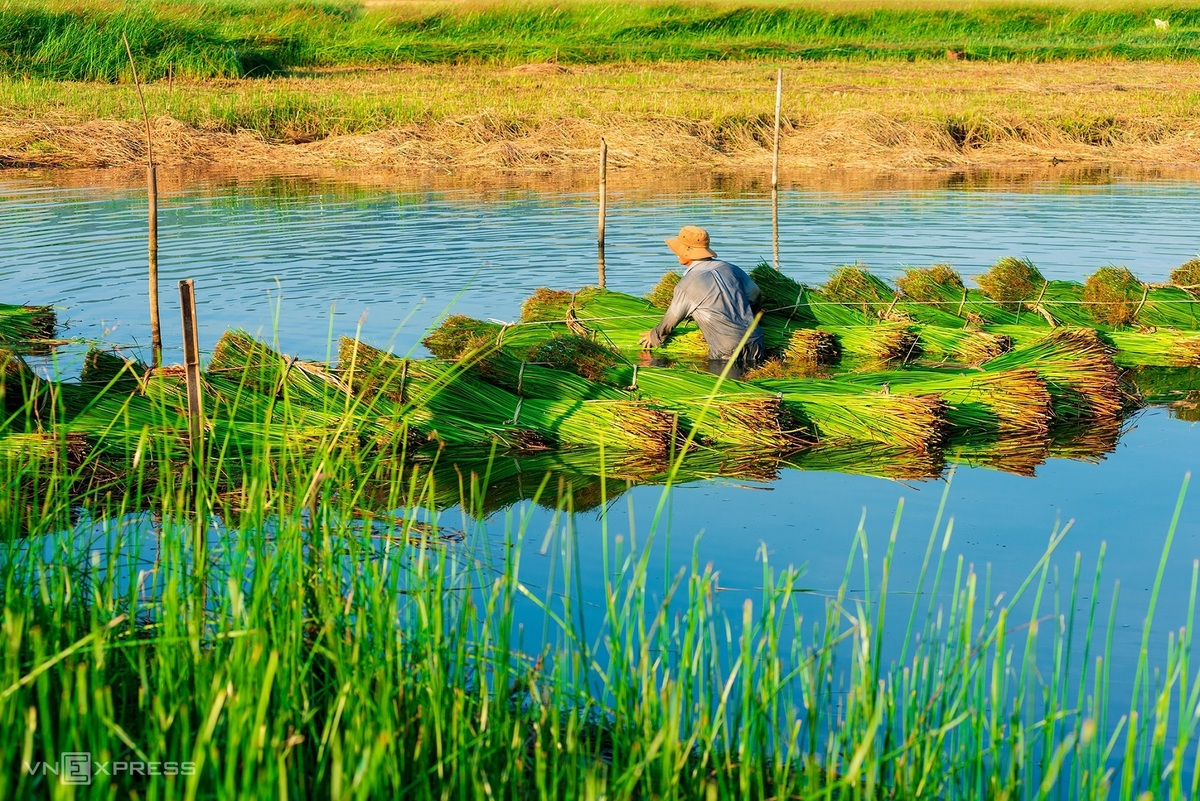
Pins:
x: 718, y: 296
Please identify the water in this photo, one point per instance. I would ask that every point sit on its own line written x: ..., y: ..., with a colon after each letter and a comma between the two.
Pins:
x: 308, y: 262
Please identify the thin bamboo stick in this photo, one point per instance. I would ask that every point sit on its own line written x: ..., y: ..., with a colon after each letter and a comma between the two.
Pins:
x: 152, y: 197
x: 603, y: 191
x: 778, y: 107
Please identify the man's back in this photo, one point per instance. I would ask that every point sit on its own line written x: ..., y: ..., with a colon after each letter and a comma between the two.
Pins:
x: 717, y: 295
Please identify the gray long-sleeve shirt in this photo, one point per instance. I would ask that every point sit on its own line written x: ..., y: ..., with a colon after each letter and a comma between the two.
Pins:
x: 717, y: 295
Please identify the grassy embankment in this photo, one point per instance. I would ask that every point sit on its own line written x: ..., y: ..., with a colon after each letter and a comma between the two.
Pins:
x: 325, y: 644
x: 1106, y: 83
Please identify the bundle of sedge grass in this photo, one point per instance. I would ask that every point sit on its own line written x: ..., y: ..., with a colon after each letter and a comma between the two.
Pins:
x: 1187, y: 276
x: 962, y: 345
x: 1079, y: 372
x: 20, y: 390
x: 663, y: 293
x: 722, y: 412
x: 942, y: 288
x: 23, y: 324
x: 1154, y: 348
x: 106, y: 366
x: 841, y: 412
x: 438, y: 393
x: 256, y: 365
x: 1014, y: 401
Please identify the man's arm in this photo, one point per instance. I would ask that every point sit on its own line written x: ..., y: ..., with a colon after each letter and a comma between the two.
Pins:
x: 680, y: 309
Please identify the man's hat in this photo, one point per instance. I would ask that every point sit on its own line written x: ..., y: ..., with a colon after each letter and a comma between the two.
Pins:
x: 692, y: 244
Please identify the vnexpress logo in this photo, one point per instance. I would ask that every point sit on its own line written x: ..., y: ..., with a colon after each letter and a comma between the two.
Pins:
x: 77, y: 767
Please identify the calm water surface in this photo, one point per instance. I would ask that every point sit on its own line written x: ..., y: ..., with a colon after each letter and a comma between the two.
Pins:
x: 306, y: 260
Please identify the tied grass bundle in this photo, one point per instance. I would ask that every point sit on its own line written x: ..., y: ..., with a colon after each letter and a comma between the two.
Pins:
x: 105, y: 367
x: 1157, y: 348
x: 937, y: 284
x: 1187, y: 276
x: 842, y: 412
x: 612, y: 319
x: 22, y: 324
x: 663, y: 292
x: 781, y: 294
x: 19, y: 390
x: 977, y: 403
x: 962, y: 344
x: 446, y: 402
x: 1012, y: 282
x: 257, y: 366
x: 575, y: 353
x: 884, y: 343
x: 1079, y: 372
x: 811, y: 347
x: 733, y: 413
x: 855, y: 285
x: 1112, y: 295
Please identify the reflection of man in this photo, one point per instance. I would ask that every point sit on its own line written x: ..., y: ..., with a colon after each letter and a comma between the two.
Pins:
x: 718, y: 296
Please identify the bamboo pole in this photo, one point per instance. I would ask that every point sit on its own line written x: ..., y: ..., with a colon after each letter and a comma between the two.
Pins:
x: 152, y: 229
x: 775, y: 169
x: 778, y: 107
x: 603, y: 190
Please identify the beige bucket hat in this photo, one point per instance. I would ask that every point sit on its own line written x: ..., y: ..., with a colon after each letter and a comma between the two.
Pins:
x: 692, y: 243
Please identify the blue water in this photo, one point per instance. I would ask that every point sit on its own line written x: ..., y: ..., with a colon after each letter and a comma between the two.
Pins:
x: 311, y: 261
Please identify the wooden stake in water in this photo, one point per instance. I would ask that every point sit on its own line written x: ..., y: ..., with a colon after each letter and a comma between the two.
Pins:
x: 191, y: 363
x: 775, y: 225
x: 603, y: 205
x: 152, y: 195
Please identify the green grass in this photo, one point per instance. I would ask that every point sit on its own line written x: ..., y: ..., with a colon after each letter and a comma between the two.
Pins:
x: 312, y: 649
x: 82, y: 41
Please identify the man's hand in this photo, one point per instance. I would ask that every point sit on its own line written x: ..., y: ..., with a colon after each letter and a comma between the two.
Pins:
x: 647, y: 341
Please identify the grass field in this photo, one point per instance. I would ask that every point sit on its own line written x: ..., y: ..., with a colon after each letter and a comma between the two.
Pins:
x: 82, y: 40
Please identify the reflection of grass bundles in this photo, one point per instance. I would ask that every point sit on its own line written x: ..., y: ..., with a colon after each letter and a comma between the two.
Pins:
x: 442, y: 400
x: 734, y: 413
x: 1078, y: 369
x: 839, y: 411
x: 1086, y: 443
x: 24, y: 323
x: 978, y: 403
x: 1021, y: 455
x: 870, y: 459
